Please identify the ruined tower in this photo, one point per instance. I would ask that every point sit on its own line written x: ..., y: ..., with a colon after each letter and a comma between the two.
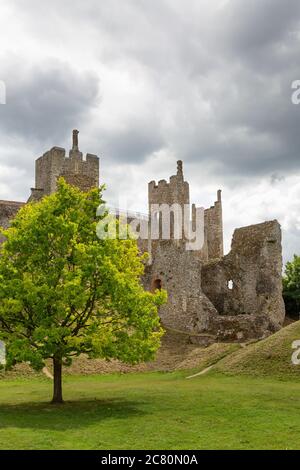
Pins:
x: 75, y: 169
x: 213, y: 223
x: 176, y: 192
x: 212, y: 297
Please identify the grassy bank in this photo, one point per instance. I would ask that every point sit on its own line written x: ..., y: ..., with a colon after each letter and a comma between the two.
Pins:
x: 151, y: 411
x: 271, y: 357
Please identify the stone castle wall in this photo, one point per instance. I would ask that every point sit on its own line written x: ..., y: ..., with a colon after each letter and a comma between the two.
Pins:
x: 213, y: 220
x: 235, y: 297
x: 219, y: 298
x: 177, y: 191
x: 80, y: 172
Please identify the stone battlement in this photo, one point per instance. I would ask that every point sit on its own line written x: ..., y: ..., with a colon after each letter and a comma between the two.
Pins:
x: 236, y: 297
x: 77, y: 170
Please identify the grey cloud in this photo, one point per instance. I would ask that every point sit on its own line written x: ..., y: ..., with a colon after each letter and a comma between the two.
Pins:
x: 240, y: 62
x: 221, y: 80
x: 44, y: 101
x: 133, y: 145
x: 259, y: 24
x: 243, y: 73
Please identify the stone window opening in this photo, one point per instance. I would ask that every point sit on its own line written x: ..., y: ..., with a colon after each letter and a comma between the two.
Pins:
x: 230, y: 284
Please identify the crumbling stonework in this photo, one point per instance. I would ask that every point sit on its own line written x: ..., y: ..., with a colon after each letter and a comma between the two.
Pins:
x: 248, y: 279
x: 177, y: 191
x: 80, y: 172
x: 211, y: 297
x: 179, y: 272
x: 235, y: 297
x: 8, y: 210
x: 245, y: 286
x: 83, y: 173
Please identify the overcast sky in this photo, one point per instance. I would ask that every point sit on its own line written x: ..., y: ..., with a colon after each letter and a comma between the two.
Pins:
x: 148, y: 82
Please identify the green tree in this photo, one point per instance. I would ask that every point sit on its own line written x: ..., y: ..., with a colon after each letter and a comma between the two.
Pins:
x: 64, y: 292
x: 291, y: 286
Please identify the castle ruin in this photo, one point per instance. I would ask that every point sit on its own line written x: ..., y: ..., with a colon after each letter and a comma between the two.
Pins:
x: 211, y: 297
x: 80, y: 172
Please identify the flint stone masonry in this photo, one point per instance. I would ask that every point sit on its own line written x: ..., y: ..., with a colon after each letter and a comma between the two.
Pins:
x: 80, y: 172
x: 254, y: 266
x: 245, y: 286
x: 211, y: 297
x: 76, y: 170
x: 177, y: 191
x: 179, y: 272
x: 8, y: 210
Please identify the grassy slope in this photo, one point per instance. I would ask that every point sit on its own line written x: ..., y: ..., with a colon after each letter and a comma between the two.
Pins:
x: 151, y: 411
x: 268, y: 358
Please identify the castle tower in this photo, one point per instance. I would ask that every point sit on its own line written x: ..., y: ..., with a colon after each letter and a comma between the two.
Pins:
x: 176, y: 192
x: 76, y: 170
x: 175, y: 196
x: 173, y: 264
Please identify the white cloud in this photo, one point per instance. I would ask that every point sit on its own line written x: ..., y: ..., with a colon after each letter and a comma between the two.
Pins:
x: 206, y: 82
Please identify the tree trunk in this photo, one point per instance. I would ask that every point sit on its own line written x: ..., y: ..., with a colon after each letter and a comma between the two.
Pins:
x: 57, y: 384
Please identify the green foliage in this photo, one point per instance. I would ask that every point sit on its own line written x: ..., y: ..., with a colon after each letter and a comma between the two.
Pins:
x: 291, y: 286
x: 152, y: 411
x: 64, y: 292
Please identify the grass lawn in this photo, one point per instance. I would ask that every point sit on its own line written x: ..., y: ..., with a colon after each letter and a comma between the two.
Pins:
x: 151, y: 411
